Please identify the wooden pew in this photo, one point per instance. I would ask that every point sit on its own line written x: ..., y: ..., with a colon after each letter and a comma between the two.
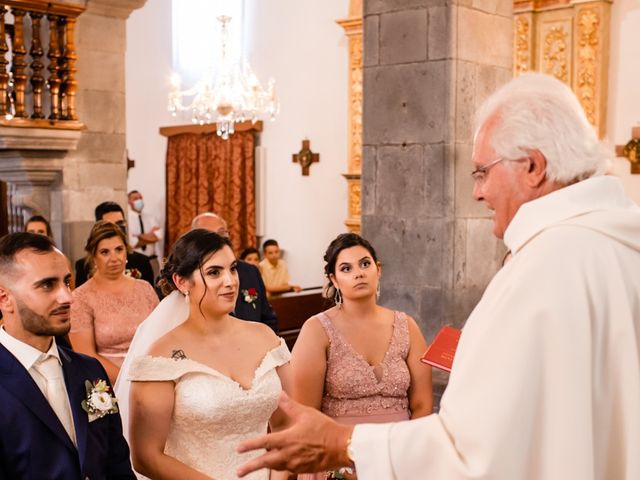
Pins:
x: 293, y: 309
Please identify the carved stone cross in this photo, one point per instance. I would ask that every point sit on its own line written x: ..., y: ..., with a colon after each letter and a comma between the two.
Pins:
x: 631, y: 150
x: 305, y: 157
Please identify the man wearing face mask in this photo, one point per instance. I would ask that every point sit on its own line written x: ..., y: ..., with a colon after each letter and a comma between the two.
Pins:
x: 138, y: 265
x: 144, y: 230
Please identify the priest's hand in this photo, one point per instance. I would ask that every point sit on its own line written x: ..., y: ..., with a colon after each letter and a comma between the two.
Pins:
x: 311, y: 443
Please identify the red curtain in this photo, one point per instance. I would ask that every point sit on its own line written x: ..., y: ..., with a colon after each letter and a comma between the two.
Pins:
x: 208, y: 174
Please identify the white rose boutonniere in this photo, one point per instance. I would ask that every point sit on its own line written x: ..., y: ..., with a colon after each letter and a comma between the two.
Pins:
x: 99, y: 401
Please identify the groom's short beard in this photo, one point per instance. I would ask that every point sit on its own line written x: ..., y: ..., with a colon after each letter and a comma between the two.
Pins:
x: 38, y: 324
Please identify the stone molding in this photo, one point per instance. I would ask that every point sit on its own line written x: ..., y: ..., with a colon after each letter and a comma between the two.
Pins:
x: 114, y: 8
x: 12, y: 138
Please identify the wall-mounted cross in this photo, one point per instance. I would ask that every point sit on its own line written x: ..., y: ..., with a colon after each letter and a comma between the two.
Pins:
x: 305, y: 157
x: 631, y: 150
x: 130, y: 163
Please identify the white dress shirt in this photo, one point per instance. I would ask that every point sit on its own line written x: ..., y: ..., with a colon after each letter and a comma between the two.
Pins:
x: 149, y: 221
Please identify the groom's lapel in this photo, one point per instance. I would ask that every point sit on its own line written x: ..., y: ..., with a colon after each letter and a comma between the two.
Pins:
x: 74, y: 380
x: 19, y: 383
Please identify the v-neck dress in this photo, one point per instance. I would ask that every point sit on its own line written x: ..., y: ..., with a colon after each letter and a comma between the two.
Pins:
x: 213, y: 413
x: 357, y: 392
x: 353, y: 388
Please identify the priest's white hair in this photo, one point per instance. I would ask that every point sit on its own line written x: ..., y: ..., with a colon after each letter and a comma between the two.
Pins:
x: 538, y: 112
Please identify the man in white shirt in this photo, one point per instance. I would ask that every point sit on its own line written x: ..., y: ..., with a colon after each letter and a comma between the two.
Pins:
x: 546, y: 379
x: 145, y: 233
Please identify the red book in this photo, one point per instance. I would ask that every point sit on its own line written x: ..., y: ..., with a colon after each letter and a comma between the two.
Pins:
x: 443, y: 348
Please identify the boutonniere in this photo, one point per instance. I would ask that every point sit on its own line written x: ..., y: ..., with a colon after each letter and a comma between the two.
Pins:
x: 339, y: 474
x: 250, y: 296
x: 99, y: 401
x: 133, y: 273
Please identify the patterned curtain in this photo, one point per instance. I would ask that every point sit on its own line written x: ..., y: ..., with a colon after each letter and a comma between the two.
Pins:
x: 208, y: 174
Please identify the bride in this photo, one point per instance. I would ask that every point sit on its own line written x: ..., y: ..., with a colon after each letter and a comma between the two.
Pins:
x: 197, y: 381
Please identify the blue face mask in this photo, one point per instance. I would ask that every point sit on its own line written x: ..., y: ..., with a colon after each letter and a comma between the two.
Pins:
x: 138, y: 204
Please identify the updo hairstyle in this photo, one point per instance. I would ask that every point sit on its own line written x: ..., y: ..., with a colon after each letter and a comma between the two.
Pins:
x: 188, y: 254
x: 342, y: 242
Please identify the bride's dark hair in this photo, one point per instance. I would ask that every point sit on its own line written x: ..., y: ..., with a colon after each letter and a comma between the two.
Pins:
x: 188, y: 254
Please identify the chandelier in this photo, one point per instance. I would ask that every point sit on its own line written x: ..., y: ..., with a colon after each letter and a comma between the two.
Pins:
x: 233, y: 95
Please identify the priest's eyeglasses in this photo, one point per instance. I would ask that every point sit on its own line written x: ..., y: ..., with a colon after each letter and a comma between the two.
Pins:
x: 479, y: 173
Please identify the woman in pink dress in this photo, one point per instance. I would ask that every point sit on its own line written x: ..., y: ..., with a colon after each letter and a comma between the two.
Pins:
x: 107, y: 309
x: 359, y: 362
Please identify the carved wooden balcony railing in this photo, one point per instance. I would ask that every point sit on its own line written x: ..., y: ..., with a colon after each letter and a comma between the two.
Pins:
x: 38, y: 64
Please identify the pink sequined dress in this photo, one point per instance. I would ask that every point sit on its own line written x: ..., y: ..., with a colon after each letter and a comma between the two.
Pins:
x: 357, y: 392
x: 113, y: 318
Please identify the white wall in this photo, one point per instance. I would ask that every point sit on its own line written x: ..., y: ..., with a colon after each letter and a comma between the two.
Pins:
x: 301, y: 46
x: 147, y: 74
x: 624, y: 85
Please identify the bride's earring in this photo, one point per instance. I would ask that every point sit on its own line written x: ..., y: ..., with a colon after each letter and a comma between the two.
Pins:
x: 186, y: 296
x: 337, y: 298
x: 378, y: 291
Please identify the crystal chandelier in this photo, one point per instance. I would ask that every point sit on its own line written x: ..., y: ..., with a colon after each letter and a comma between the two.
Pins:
x: 233, y: 95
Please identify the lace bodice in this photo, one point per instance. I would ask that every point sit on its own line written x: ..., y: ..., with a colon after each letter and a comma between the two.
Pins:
x: 213, y: 413
x: 353, y: 387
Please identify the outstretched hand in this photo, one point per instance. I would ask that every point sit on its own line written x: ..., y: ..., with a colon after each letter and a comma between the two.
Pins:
x: 312, y: 443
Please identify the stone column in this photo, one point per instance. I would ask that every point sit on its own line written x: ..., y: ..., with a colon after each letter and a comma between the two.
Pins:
x: 428, y: 64
x: 97, y: 170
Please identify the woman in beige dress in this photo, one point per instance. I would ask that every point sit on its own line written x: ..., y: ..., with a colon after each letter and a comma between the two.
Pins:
x: 107, y: 309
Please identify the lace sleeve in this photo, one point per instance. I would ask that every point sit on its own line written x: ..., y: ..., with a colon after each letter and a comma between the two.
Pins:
x: 274, y: 358
x: 81, y: 313
x: 281, y: 354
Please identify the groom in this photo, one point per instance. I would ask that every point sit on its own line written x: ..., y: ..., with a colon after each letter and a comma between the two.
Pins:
x: 45, y: 432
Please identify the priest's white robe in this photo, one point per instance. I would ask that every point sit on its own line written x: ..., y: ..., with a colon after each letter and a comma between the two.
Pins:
x: 546, y: 378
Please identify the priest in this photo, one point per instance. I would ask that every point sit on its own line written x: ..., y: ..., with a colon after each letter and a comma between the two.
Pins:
x: 546, y: 379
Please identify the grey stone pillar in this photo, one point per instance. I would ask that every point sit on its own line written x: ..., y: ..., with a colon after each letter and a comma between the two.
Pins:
x: 97, y: 170
x: 428, y: 64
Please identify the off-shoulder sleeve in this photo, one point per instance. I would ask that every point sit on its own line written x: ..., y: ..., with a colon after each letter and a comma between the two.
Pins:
x: 82, y: 314
x: 274, y: 358
x: 161, y: 369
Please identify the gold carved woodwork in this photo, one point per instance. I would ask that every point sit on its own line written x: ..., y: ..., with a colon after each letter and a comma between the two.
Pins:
x: 569, y: 40
x: 354, y: 187
x: 554, y: 53
x: 522, y: 44
x: 353, y: 29
x: 586, y: 71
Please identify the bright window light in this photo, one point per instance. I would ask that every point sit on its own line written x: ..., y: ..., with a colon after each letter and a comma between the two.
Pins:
x: 196, y: 36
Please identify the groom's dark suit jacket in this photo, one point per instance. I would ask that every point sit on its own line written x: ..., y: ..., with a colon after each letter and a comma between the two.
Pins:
x: 33, y: 443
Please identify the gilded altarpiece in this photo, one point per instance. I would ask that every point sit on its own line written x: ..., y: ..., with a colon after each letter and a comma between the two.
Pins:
x: 353, y: 29
x: 570, y: 40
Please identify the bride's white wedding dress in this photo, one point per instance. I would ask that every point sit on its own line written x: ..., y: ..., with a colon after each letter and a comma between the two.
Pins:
x: 213, y: 413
